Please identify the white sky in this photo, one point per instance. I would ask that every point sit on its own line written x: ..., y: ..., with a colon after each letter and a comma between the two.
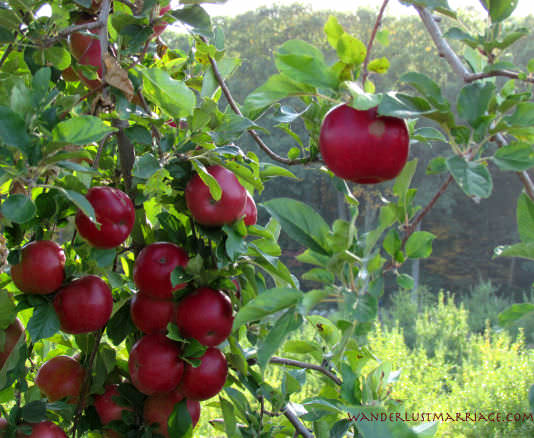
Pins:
x: 234, y: 7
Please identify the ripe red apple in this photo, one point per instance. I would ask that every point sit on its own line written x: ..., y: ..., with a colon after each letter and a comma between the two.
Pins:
x: 153, y: 267
x: 206, y: 380
x: 59, y: 377
x: 363, y: 147
x: 155, y: 365
x: 250, y: 212
x: 159, y: 28
x: 85, y: 48
x: 205, y: 315
x: 84, y: 305
x: 205, y: 209
x: 115, y: 212
x: 41, y: 269
x: 149, y: 314
x: 158, y: 408
x: 106, y: 408
x: 44, y: 429
x: 13, y: 333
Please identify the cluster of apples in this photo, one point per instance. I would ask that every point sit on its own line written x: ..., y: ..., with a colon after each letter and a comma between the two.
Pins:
x: 84, y: 305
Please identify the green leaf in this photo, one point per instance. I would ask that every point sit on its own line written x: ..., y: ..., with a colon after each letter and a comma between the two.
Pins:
x: 514, y: 313
x: 405, y: 281
x: 268, y: 302
x: 351, y: 50
x: 530, y: 65
x: 455, y: 33
x: 499, y: 10
x: 79, y: 201
x: 208, y: 179
x: 34, y: 411
x: 120, y: 324
x: 428, y: 88
x: 523, y: 250
x: 379, y: 65
x: 230, y: 422
x: 276, y: 88
x: 59, y: 57
x: 436, y: 165
x: 172, y: 96
x: 419, y: 245
x: 325, y: 328
x: 145, y: 166
x: 474, y: 100
x: 319, y: 275
x: 304, y: 63
x: 13, y: 129
x: 403, y: 106
x: 523, y: 115
x: 180, y: 423
x: 300, y: 222
x: 525, y: 218
x: 196, y: 18
x: 403, y: 181
x: 18, y: 208
x: 235, y: 243
x: 333, y: 31
x: 268, y: 170
x: 474, y: 179
x: 427, y: 134
x: 288, y: 322
x: 7, y: 310
x: 103, y: 257
x: 367, y: 308
x: 81, y: 130
x: 43, y: 323
x: 392, y: 242
x: 297, y: 346
x: 360, y: 99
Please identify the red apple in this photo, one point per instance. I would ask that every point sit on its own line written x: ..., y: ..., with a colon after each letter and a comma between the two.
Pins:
x: 106, y: 408
x: 159, y: 28
x: 206, y: 380
x: 114, y: 211
x: 41, y: 269
x: 205, y: 315
x: 3, y: 425
x: 85, y: 48
x: 155, y: 365
x: 205, y: 209
x: 59, y: 377
x: 149, y: 314
x: 84, y: 305
x: 250, y: 212
x: 153, y: 268
x: 363, y: 147
x: 158, y: 408
x: 12, y: 335
x: 44, y: 429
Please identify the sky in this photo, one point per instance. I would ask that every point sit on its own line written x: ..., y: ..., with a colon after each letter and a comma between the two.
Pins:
x: 234, y: 7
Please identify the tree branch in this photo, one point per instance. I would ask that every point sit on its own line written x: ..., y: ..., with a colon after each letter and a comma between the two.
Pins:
x: 253, y: 133
x: 297, y: 424
x: 309, y: 366
x: 103, y: 33
x: 490, y: 74
x: 378, y: 22
x: 69, y: 30
x: 461, y: 70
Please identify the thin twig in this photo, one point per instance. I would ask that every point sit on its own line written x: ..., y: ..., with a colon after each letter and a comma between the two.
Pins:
x: 86, y: 384
x: 461, y: 70
x: 506, y: 73
x: 252, y: 132
x: 378, y: 22
x: 128, y: 3
x: 300, y: 428
x: 8, y: 50
x: 70, y: 30
x: 96, y: 161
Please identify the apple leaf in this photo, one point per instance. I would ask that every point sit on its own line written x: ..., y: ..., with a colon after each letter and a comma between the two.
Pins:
x: 43, y: 323
x: 403, y: 106
x: 473, y: 178
x: 499, y: 10
x: 13, y: 129
x: 419, y: 245
x: 208, y: 179
x: 525, y: 218
x: 180, y: 422
x: 18, y: 208
x: 196, y: 18
x: 266, y: 303
x: 230, y: 422
x: 474, y: 100
x: 405, y: 281
x: 34, y: 411
x: 523, y: 116
x: 300, y: 222
x: 515, y: 312
x: 379, y: 65
x: 523, y: 250
x: 81, y: 130
x: 427, y: 88
x: 7, y: 310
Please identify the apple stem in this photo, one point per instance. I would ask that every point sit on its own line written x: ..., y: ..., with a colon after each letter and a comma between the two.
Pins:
x: 378, y: 22
x: 446, y: 52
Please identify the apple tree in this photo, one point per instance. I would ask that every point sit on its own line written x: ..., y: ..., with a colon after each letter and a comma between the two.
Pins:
x: 137, y: 285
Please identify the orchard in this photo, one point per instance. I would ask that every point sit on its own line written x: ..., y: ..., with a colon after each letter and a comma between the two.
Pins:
x: 142, y: 279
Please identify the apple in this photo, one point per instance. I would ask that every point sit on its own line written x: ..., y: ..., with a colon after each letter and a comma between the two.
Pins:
x: 149, y: 314
x: 44, y: 429
x: 153, y: 267
x: 205, y: 315
x: 85, y: 48
x: 114, y: 211
x: 70, y: 75
x: 363, y: 147
x: 13, y: 333
x: 206, y: 380
x: 106, y: 408
x: 205, y: 209
x: 155, y: 365
x: 250, y: 212
x: 41, y: 268
x: 59, y: 377
x: 3, y: 424
x: 159, y: 28
x: 158, y: 408
x: 84, y: 305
